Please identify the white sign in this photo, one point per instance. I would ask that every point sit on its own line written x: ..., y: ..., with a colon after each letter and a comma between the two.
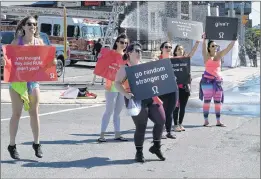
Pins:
x: 185, y: 29
x: 69, y: 3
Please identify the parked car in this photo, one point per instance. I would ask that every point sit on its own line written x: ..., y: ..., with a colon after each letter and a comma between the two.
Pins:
x: 8, y: 36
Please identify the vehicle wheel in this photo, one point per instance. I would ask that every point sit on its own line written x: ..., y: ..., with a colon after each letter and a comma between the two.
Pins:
x: 59, y: 67
x: 72, y: 62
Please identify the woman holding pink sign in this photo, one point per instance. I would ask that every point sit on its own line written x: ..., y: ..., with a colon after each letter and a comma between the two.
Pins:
x: 114, y: 99
x: 25, y: 93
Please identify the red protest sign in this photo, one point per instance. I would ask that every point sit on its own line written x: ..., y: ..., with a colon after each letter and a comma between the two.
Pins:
x: 29, y: 63
x: 108, y: 64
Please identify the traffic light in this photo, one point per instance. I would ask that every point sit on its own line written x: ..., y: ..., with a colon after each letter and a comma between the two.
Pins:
x: 244, y: 19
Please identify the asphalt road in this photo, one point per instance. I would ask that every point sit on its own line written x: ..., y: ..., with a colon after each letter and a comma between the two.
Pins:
x: 69, y: 133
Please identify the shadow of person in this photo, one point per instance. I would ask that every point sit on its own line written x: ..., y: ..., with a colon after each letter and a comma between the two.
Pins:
x: 192, y: 126
x: 84, y: 163
x: 17, y: 161
x: 131, y: 131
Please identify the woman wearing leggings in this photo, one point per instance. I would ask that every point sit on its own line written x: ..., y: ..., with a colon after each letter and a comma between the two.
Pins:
x: 26, y: 34
x: 151, y: 108
x: 114, y: 99
x: 169, y: 100
x: 184, y: 90
x: 211, y: 82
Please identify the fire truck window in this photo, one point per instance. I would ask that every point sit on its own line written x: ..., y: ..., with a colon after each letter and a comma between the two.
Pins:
x: 97, y: 31
x: 46, y: 28
x: 56, y: 30
x: 76, y: 31
x: 70, y: 30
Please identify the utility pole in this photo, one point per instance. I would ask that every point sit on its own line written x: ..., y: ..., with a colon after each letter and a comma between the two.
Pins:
x: 179, y: 9
x: 209, y: 10
x: 138, y: 21
x: 242, y: 29
x: 1, y: 40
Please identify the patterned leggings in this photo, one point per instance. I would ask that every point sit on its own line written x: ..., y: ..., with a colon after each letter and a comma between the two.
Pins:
x: 209, y: 93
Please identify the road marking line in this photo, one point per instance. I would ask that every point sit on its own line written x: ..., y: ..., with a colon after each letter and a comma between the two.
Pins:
x: 56, y: 112
x: 59, y: 104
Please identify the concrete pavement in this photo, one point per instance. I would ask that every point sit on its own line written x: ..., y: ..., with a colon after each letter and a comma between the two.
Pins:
x: 50, y: 93
x: 70, y: 149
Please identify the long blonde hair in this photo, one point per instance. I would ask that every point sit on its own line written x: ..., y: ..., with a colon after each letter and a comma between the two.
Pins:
x: 19, y: 31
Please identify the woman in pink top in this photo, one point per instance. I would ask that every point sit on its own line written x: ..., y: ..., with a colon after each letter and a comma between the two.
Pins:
x: 211, y: 82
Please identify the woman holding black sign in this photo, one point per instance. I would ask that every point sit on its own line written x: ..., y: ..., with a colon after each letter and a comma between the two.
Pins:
x: 184, y: 90
x: 211, y: 82
x: 150, y: 108
x: 114, y: 100
x: 169, y: 100
x: 26, y: 94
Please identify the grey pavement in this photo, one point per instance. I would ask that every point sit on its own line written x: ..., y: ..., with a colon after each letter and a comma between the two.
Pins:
x: 71, y: 151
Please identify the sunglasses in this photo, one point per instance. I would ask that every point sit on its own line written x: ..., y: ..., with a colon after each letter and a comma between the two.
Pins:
x: 166, y: 47
x: 31, y: 24
x: 137, y: 50
x: 214, y: 46
x: 121, y: 42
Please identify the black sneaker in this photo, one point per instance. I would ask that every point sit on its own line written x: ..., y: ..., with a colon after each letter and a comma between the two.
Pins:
x: 139, y: 157
x: 38, y: 150
x: 156, y: 150
x: 13, y: 152
x: 171, y: 136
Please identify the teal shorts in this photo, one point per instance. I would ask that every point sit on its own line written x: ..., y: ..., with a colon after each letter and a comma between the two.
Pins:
x: 30, y: 86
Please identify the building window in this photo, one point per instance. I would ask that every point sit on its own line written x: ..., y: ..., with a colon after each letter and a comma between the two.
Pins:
x: 153, y: 21
x: 46, y: 28
x: 56, y: 30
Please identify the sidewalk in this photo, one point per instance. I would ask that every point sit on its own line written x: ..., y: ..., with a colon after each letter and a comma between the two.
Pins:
x: 232, y: 77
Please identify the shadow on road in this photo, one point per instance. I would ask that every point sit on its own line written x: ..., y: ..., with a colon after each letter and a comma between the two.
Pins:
x: 84, y: 163
x: 17, y: 161
x: 79, y: 142
x: 81, y: 66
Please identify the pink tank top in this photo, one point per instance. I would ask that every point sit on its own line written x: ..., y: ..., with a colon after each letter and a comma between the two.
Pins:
x: 213, y: 67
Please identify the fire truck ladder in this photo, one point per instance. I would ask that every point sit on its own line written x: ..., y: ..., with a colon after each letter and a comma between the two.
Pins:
x: 111, y: 32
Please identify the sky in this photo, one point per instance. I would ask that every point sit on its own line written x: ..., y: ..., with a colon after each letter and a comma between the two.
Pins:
x: 255, y: 15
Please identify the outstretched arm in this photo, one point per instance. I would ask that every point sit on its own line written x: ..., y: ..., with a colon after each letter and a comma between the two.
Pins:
x: 204, y: 49
x: 194, y: 49
x: 222, y: 53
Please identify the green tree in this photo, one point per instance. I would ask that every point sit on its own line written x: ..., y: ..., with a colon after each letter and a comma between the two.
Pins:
x: 252, y: 37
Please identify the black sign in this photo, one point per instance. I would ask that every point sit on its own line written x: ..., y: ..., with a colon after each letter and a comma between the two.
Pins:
x: 151, y: 79
x: 181, y: 68
x: 221, y: 28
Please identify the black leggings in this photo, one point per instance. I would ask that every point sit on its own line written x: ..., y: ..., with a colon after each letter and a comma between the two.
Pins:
x: 179, y: 112
x: 156, y: 114
x: 169, y: 103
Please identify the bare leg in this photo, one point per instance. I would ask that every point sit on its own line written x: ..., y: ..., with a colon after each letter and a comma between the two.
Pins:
x: 34, y: 114
x: 17, y: 107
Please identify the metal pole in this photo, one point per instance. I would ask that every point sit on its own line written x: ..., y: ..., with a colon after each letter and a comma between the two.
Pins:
x: 209, y: 10
x: 179, y: 9
x: 190, y: 11
x: 217, y: 11
x: 138, y: 21
x: 1, y: 39
x: 242, y: 25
